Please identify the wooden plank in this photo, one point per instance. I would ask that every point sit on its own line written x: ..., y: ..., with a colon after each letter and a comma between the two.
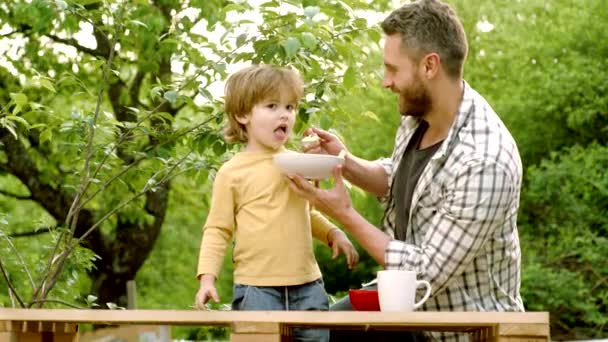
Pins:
x: 256, y: 327
x: 521, y: 339
x: 8, y: 336
x: 319, y: 319
x: 510, y: 329
x: 255, y: 338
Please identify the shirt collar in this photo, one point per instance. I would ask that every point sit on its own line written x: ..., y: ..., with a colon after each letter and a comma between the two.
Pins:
x: 462, y: 117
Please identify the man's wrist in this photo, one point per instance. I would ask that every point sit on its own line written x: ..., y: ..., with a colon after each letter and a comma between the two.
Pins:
x: 347, y: 217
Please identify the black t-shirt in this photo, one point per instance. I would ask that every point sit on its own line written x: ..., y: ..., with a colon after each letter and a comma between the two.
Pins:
x: 404, y: 182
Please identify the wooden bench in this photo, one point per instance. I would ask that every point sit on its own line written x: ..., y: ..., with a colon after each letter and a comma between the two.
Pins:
x: 55, y: 325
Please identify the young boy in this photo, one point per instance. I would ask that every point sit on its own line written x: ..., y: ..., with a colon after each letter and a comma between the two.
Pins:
x: 274, y: 264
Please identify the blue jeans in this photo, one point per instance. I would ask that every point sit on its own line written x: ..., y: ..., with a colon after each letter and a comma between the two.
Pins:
x: 370, y: 335
x: 309, y: 296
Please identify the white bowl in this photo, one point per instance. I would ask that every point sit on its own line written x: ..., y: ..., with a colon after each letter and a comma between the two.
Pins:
x: 308, y: 165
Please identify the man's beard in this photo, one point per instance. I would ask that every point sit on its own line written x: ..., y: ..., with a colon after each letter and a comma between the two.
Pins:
x: 415, y: 101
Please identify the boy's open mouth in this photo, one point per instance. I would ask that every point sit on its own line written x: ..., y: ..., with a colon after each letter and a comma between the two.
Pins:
x: 280, y: 133
x: 281, y: 128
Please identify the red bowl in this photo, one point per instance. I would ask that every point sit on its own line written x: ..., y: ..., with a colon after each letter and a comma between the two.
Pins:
x: 364, y: 300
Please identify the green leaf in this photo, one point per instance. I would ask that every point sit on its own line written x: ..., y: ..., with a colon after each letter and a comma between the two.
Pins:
x: 270, y: 4
x: 170, y: 96
x: 19, y: 119
x: 308, y: 40
x: 374, y: 34
x: 47, y: 84
x: 241, y: 39
x: 371, y: 115
x: 311, y: 11
x: 139, y: 23
x: 206, y: 93
x: 20, y: 99
x: 9, y: 126
x: 61, y: 5
x: 326, y: 121
x: 350, y: 77
x: 291, y: 46
x: 360, y: 23
x: 46, y: 135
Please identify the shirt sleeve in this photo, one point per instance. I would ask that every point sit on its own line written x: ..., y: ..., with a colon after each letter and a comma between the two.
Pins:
x: 219, y: 227
x: 320, y: 226
x: 387, y: 165
x: 476, y: 203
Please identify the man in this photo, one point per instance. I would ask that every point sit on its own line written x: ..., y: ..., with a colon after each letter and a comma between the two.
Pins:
x: 452, y: 185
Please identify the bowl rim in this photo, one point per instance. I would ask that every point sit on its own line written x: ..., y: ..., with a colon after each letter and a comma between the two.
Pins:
x: 307, y: 155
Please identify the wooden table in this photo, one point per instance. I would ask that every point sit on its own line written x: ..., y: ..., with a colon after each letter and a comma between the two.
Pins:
x: 55, y: 325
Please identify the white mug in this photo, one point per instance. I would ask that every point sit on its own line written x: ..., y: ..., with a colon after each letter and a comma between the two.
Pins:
x: 397, y: 290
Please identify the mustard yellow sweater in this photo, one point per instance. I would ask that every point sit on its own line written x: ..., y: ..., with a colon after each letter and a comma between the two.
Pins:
x: 271, y: 225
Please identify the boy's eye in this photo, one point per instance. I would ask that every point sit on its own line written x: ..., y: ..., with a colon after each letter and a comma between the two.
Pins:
x: 290, y: 107
x: 272, y: 105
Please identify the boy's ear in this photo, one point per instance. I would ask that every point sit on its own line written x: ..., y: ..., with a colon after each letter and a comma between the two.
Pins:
x: 243, y: 119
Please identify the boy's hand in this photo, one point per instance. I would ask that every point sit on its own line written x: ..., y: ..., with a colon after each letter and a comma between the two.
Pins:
x: 206, y: 291
x: 339, y: 242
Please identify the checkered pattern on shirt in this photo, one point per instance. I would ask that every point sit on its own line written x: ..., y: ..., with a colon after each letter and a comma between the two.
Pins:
x: 462, y: 233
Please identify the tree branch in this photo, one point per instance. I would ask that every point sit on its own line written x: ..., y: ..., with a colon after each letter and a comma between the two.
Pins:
x: 135, y: 87
x: 31, y: 233
x: 73, y: 42
x: 15, y: 196
x: 8, y: 34
x: 21, y: 261
x: 10, y: 284
x: 51, y: 300
x: 75, y: 208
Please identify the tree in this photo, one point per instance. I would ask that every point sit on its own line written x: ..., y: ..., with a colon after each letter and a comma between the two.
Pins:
x: 105, y: 104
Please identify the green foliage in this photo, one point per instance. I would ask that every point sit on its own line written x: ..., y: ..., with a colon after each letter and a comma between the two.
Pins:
x: 542, y: 67
x: 565, y: 226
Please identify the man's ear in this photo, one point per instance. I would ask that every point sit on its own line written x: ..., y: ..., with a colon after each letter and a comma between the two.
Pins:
x: 243, y: 119
x: 431, y: 65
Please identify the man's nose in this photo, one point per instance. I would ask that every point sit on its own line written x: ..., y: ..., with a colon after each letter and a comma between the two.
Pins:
x: 387, y: 82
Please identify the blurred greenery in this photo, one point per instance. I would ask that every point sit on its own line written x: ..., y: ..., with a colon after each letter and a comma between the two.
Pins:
x: 541, y: 64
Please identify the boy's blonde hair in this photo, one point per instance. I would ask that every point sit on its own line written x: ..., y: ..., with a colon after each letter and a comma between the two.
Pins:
x: 252, y: 85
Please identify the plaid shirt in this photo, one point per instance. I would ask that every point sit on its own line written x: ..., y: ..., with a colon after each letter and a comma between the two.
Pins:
x: 462, y: 233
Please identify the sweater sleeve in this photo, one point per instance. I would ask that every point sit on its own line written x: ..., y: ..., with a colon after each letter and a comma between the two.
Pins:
x: 320, y: 226
x: 219, y: 227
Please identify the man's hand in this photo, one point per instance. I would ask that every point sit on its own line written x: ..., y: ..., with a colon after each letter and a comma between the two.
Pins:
x: 206, y: 291
x: 340, y: 243
x: 328, y: 143
x: 333, y: 202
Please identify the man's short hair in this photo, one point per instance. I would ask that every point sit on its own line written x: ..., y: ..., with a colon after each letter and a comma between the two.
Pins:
x: 428, y: 26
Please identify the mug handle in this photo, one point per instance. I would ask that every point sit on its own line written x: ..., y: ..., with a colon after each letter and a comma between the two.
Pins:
x: 427, y: 294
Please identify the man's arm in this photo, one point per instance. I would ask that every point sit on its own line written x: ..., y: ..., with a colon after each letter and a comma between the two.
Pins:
x: 373, y: 240
x: 368, y: 175
x: 476, y: 203
x: 336, y: 203
x: 371, y: 176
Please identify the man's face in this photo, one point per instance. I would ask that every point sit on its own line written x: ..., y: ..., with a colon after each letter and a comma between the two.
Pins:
x: 402, y: 75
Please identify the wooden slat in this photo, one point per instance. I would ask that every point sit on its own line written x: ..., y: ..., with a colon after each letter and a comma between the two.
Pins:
x: 255, y: 338
x: 510, y: 329
x: 521, y: 339
x: 256, y: 328
x: 319, y: 319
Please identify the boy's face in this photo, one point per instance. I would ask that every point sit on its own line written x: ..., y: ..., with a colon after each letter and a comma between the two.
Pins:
x: 270, y: 123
